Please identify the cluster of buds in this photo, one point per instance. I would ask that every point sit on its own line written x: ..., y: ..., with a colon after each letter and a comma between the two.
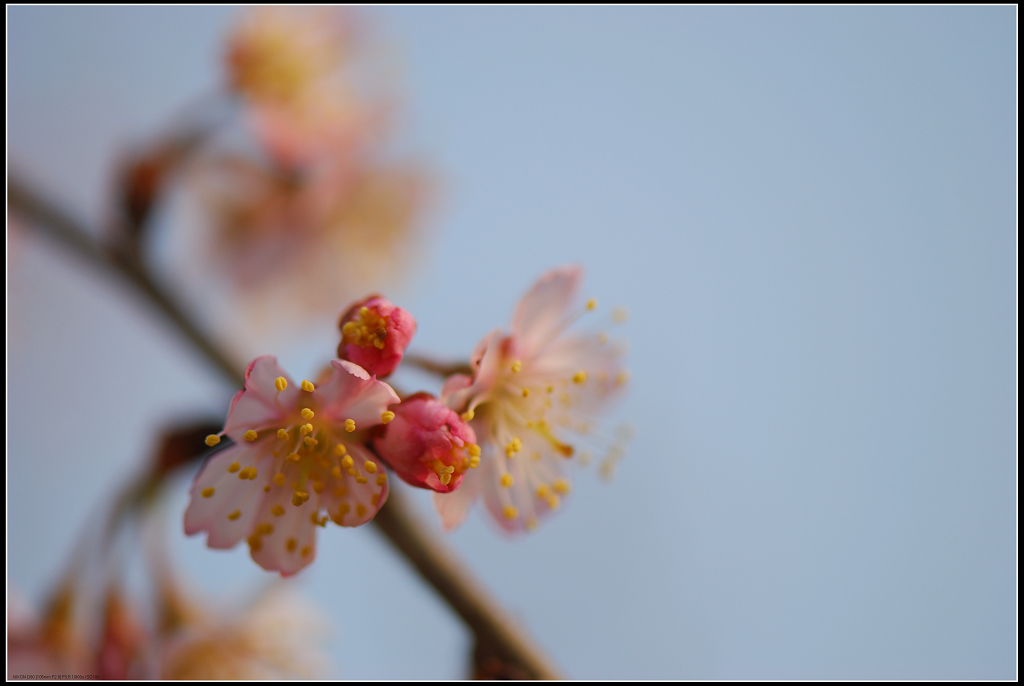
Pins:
x: 317, y: 451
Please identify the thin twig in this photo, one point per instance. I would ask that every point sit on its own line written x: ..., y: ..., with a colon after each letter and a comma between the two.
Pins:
x: 433, y: 366
x: 396, y: 520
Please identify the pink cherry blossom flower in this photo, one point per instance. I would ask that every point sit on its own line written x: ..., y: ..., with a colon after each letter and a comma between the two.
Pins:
x: 428, y: 445
x: 374, y: 334
x: 298, y: 459
x: 531, y: 394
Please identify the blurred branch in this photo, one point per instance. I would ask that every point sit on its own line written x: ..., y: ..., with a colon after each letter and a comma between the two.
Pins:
x: 433, y: 366
x: 430, y: 556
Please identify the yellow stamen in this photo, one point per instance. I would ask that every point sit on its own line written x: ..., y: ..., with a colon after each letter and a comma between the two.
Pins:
x: 474, y: 462
x: 277, y: 510
x: 291, y: 544
x: 360, y: 479
x: 264, y: 529
x: 266, y: 489
x: 526, y: 392
x: 553, y: 502
x: 244, y: 474
x: 561, y: 486
x: 282, y: 434
x: 370, y: 467
x: 506, y: 480
x: 280, y: 383
x: 235, y: 515
x: 543, y: 491
x: 306, y: 429
x: 339, y: 450
x: 207, y: 492
x: 308, y: 386
x: 510, y: 512
x: 346, y: 462
x: 350, y: 425
x: 445, y: 478
x: 374, y: 499
x: 592, y: 304
x: 310, y: 441
x: 255, y: 544
x: 299, y: 497
x: 343, y: 509
x: 306, y: 413
x: 293, y: 457
x: 279, y: 479
x: 336, y: 472
x: 513, y: 447
x: 360, y: 510
x: 387, y: 416
x: 468, y: 415
x: 473, y: 450
x: 306, y: 550
x: 318, y: 487
x: 382, y: 479
x: 233, y: 467
x: 517, y: 366
x: 579, y: 377
x: 212, y: 440
x: 250, y: 435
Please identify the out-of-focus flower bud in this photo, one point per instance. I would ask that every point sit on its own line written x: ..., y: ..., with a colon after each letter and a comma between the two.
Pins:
x: 427, y: 444
x: 374, y: 334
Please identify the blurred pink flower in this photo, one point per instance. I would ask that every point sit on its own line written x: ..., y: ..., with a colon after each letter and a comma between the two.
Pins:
x: 374, y: 334
x: 428, y: 445
x: 298, y: 460
x: 530, y: 392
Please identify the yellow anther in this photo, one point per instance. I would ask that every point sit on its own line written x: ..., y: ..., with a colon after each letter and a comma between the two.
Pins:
x: 579, y: 377
x: 445, y: 478
x: 387, y: 416
x: 336, y: 472
x: 531, y: 524
x: 264, y: 529
x: 622, y: 377
x: 553, y: 501
x: 266, y: 489
x: 310, y: 441
x: 339, y: 450
x: 293, y: 457
x: 561, y: 486
x: 526, y: 392
x: 343, y: 509
x: 517, y: 366
x: 468, y: 415
x: 543, y: 491
x: 360, y: 510
x: 382, y: 479
x: 280, y: 383
x: 473, y: 450
x: 255, y: 544
x: 602, y: 338
x: 308, y: 386
x: 207, y: 492
x: 513, y: 447
x: 374, y: 499
x: 346, y: 462
x: 306, y: 550
x: 474, y: 462
x: 233, y: 467
x: 291, y: 544
x: 550, y: 389
x: 370, y: 467
x: 277, y: 510
x: 306, y: 413
x: 318, y: 487
x: 212, y: 440
x: 244, y: 474
x: 252, y: 473
x: 306, y: 429
x: 510, y: 512
x: 592, y: 304
x: 350, y: 425
x: 506, y: 480
x: 250, y: 435
x: 360, y: 479
x: 299, y: 497
x: 282, y: 434
x: 235, y: 515
x: 314, y: 517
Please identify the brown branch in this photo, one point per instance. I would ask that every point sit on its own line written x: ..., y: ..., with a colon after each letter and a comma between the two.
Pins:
x: 430, y: 556
x: 433, y: 366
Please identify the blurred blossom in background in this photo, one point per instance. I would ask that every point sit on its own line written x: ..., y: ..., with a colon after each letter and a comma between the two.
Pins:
x: 810, y: 213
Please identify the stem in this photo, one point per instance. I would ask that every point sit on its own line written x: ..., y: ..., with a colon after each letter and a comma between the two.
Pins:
x: 433, y: 366
x: 396, y: 520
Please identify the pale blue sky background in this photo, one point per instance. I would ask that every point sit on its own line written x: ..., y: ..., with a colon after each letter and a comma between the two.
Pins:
x: 811, y: 213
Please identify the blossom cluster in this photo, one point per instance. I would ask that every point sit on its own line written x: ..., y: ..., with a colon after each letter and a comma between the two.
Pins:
x: 307, y: 453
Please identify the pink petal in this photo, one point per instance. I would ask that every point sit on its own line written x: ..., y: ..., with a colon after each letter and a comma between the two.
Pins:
x: 543, y: 311
x: 230, y: 494
x: 260, y: 404
x: 357, y: 494
x: 273, y: 552
x: 351, y: 393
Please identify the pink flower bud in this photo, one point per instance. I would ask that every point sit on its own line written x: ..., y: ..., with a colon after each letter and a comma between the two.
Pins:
x: 374, y: 334
x: 427, y: 444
